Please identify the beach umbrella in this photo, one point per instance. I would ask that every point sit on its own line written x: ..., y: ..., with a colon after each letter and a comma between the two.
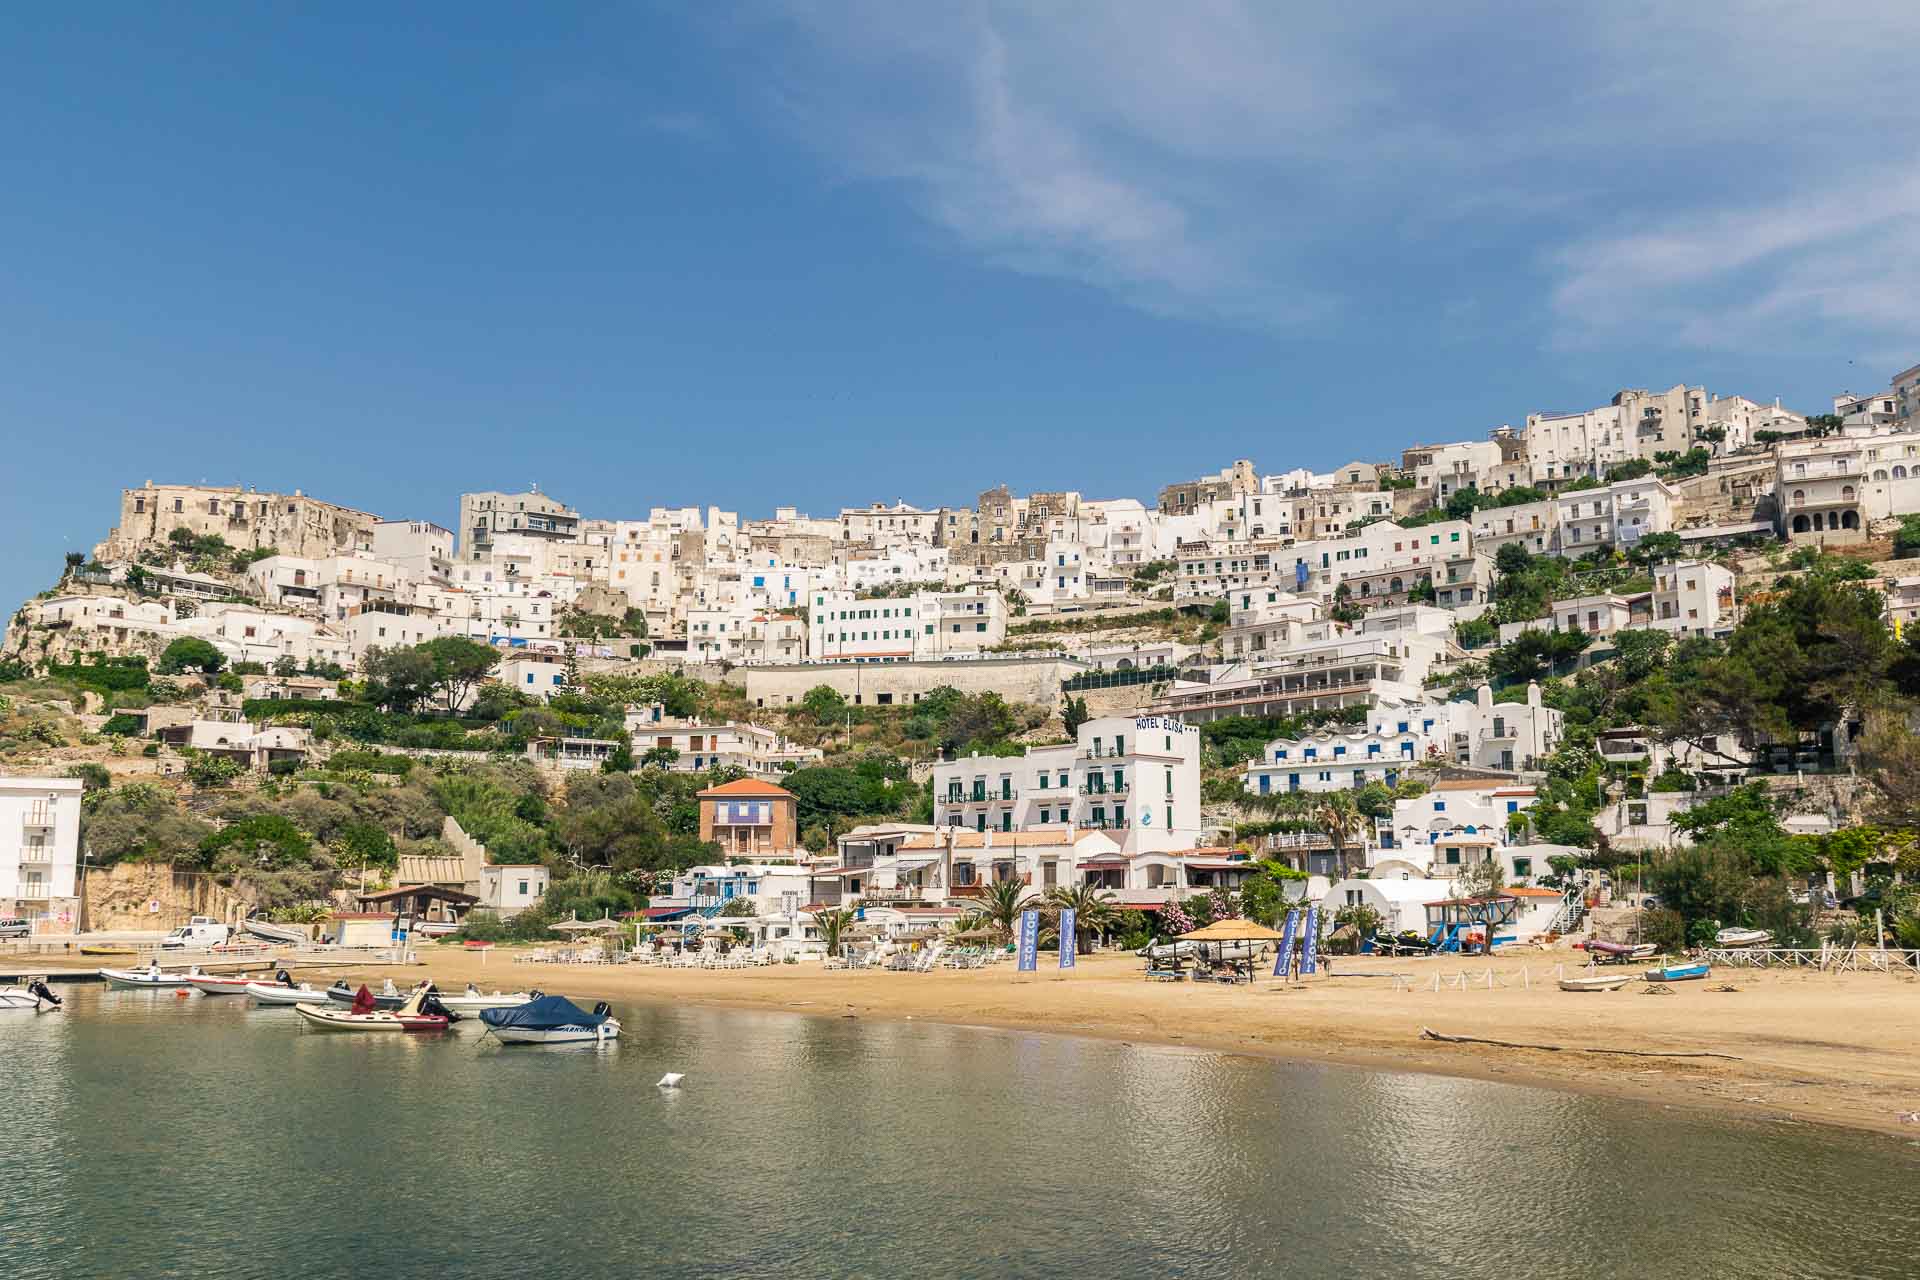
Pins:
x: 1221, y: 932
x: 1232, y: 931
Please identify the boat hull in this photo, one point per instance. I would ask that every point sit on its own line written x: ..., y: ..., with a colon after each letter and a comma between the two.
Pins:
x: 1596, y: 984
x: 330, y: 1019
x: 274, y: 993
x: 478, y: 1004
x: 211, y: 986
x: 608, y: 1030
x: 389, y: 1003
x: 1678, y: 973
x: 1743, y: 938
x: 140, y: 980
x: 18, y: 998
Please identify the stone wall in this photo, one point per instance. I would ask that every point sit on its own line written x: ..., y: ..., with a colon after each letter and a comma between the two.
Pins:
x: 119, y: 897
x: 1035, y: 681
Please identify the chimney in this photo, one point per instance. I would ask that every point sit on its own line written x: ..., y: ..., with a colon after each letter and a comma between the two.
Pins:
x: 1533, y: 693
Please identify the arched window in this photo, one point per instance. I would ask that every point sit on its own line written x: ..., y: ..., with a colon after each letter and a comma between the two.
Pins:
x: 1800, y: 524
x: 1799, y: 497
x: 1850, y: 520
x: 1880, y: 475
x: 1899, y: 473
x: 1846, y: 493
x: 1366, y: 589
x: 1395, y: 585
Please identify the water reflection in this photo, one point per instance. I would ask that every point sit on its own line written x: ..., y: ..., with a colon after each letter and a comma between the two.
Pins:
x: 179, y: 1137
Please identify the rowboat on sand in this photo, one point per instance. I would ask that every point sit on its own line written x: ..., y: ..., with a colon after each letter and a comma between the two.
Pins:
x: 1596, y: 982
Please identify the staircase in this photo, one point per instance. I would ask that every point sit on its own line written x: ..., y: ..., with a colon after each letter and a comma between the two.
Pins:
x: 1572, y: 913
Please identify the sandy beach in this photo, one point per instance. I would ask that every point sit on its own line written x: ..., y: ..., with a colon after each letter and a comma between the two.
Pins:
x: 1803, y: 1047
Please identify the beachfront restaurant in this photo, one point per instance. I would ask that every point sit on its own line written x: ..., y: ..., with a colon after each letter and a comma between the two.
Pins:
x: 421, y: 908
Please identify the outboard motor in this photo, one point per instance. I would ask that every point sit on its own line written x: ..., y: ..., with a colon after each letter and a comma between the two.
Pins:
x: 41, y: 991
x: 602, y: 1010
x: 284, y: 978
x: 432, y: 1005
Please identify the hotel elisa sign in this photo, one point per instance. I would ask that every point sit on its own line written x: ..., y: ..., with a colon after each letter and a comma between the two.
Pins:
x: 1163, y: 723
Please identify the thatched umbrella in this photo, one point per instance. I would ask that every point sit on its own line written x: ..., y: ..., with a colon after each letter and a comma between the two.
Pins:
x: 1221, y: 932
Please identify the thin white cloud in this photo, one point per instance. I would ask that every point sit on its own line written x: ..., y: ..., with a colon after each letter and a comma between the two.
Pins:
x: 1250, y: 162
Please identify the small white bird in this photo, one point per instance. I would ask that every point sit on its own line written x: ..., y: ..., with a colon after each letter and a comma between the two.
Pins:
x: 671, y: 1080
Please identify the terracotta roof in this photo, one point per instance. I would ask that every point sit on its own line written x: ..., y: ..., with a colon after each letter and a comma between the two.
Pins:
x: 747, y: 787
x: 1470, y: 784
x: 1529, y: 891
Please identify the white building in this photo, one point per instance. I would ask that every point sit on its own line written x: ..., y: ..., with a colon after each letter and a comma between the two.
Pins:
x: 1138, y: 777
x: 844, y: 627
x: 39, y: 851
x: 700, y: 746
x: 1394, y: 738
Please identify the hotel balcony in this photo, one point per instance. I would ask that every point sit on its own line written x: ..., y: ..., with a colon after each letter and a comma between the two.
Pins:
x: 37, y: 818
x: 1004, y: 795
x: 1110, y: 789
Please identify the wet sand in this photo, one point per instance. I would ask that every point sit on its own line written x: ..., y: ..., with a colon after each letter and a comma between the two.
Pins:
x: 1820, y: 1048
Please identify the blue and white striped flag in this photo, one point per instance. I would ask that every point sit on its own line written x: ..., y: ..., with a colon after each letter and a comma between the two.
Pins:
x: 1308, y: 950
x: 1069, y: 942
x: 1281, y: 964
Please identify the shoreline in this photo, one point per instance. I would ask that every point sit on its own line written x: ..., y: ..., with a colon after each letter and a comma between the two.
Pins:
x: 1863, y: 1080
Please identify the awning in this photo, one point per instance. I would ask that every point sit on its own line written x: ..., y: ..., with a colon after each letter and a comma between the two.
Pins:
x: 1109, y: 864
x: 914, y: 864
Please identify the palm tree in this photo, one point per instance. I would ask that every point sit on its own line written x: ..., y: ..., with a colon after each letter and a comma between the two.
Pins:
x: 1342, y: 820
x: 1093, y: 910
x: 832, y: 921
x: 1003, y: 903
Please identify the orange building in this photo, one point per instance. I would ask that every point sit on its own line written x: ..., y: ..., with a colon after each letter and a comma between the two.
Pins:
x: 751, y: 820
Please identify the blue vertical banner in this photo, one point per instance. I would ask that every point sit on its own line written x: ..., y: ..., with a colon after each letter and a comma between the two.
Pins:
x: 1029, y: 941
x: 1309, y: 946
x: 1069, y: 943
x: 1285, y: 960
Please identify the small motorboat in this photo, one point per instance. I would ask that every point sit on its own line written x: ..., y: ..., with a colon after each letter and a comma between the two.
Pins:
x: 286, y: 993
x: 266, y: 929
x: 1743, y: 938
x: 473, y: 1000
x: 222, y: 984
x: 1679, y: 972
x: 420, y: 1011
x: 551, y: 1020
x: 389, y: 997
x: 108, y: 951
x: 147, y: 979
x: 35, y: 995
x: 1596, y: 982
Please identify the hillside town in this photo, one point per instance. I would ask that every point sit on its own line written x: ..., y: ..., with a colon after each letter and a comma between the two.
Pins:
x: 1504, y: 669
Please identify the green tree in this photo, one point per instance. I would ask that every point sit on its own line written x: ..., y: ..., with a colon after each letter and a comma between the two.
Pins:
x: 1340, y: 818
x: 1076, y: 715
x: 1094, y: 909
x: 261, y: 841
x: 823, y: 704
x: 1003, y: 902
x: 659, y: 757
x: 459, y: 664
x: 190, y: 653
x: 832, y: 922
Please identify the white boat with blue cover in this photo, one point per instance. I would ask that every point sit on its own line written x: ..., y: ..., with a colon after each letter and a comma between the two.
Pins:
x: 551, y: 1020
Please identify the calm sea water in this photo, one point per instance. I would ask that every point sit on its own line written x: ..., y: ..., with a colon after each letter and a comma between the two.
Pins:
x: 150, y: 1136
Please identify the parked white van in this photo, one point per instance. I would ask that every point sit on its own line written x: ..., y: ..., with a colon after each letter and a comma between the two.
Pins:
x: 199, y: 932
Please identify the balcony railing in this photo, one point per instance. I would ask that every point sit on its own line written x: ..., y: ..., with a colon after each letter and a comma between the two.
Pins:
x: 1110, y: 789
x: 984, y: 796
x: 38, y: 817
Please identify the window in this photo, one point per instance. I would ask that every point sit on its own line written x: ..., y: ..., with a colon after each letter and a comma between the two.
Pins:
x: 1439, y: 806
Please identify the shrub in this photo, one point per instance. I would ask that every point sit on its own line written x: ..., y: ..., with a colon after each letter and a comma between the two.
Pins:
x: 190, y: 653
x: 122, y: 725
x: 370, y: 761
x: 283, y: 768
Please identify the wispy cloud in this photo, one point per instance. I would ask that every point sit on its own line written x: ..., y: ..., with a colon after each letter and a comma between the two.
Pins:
x: 1266, y: 165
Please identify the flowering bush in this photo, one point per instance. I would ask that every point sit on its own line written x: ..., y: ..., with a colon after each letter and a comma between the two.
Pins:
x: 1222, y: 905
x: 1175, y: 918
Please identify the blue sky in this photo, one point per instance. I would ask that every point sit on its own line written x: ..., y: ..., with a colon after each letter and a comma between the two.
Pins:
x: 827, y: 253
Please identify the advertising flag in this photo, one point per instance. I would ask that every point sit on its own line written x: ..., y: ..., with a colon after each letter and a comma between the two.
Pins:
x: 1309, y: 945
x: 1285, y: 959
x: 1069, y: 942
x: 1029, y: 941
